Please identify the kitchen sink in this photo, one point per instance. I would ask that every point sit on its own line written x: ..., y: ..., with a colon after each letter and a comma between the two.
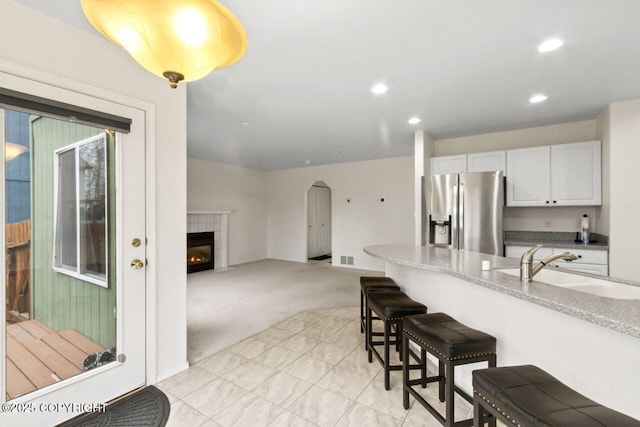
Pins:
x: 590, y: 285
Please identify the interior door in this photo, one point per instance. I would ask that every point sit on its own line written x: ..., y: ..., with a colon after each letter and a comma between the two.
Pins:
x: 74, y: 329
x: 319, y: 221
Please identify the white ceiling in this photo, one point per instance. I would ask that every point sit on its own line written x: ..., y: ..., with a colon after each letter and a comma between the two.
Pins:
x: 463, y: 66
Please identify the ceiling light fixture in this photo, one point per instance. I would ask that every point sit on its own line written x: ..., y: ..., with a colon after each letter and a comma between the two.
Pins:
x: 178, y: 40
x: 379, y: 89
x: 549, y: 45
x: 11, y: 150
x: 535, y: 99
x: 414, y: 121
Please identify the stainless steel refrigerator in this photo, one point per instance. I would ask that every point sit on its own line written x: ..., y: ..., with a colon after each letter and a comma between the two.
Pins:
x: 464, y: 211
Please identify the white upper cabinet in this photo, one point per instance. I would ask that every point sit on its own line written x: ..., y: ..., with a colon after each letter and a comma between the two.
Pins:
x: 556, y: 175
x: 528, y: 177
x: 487, y: 162
x: 449, y: 164
x: 576, y: 174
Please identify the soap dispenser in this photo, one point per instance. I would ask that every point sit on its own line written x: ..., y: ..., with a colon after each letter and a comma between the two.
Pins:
x: 584, y: 225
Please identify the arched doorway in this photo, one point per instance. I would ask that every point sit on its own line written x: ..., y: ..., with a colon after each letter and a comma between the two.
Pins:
x: 319, y: 221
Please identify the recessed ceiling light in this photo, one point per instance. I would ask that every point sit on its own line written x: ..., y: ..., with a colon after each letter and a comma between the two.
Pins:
x: 245, y: 123
x: 537, y: 98
x: 306, y: 162
x: 414, y: 121
x: 549, y: 45
x: 379, y: 88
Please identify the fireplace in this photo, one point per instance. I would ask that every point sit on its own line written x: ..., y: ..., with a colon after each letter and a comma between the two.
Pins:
x: 199, y: 251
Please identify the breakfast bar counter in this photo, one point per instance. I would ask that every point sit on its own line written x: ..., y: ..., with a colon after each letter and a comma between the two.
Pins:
x: 589, y: 342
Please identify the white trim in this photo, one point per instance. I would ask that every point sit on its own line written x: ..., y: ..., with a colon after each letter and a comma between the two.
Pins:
x: 3, y: 264
x: 151, y: 249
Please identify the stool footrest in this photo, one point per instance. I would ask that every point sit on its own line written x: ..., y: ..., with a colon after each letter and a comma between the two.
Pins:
x: 420, y: 381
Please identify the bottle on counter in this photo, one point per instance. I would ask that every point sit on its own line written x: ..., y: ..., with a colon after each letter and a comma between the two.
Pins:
x: 584, y: 225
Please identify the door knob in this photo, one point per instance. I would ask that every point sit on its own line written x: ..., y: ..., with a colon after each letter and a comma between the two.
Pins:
x: 136, y: 264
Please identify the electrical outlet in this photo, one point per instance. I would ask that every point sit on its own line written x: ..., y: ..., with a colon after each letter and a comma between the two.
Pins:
x: 547, y: 222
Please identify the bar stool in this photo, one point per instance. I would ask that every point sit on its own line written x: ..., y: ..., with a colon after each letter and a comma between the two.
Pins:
x: 453, y: 344
x: 527, y: 396
x: 390, y: 308
x: 373, y: 284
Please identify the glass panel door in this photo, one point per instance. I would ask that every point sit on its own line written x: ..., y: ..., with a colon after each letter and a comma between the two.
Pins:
x: 60, y: 251
x: 67, y: 337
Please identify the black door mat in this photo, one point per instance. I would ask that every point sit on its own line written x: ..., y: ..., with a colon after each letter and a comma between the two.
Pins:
x: 146, y: 407
x: 321, y: 257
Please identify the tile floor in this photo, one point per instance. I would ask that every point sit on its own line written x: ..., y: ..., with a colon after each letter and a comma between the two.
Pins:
x: 309, y: 370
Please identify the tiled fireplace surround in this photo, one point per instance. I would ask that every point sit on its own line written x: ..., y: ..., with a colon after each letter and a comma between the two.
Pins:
x: 218, y: 222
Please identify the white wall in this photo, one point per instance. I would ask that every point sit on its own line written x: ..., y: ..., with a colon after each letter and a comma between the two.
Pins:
x: 533, y: 219
x: 364, y: 221
x: 624, y: 198
x: 41, y: 43
x: 529, y: 137
x: 243, y: 191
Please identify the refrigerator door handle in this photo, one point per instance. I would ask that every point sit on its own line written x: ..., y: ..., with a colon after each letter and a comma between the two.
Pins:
x: 454, y: 219
x: 461, y: 216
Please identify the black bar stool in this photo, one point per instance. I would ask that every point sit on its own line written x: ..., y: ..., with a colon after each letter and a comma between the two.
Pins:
x: 390, y: 308
x: 373, y: 284
x: 527, y: 396
x: 453, y: 344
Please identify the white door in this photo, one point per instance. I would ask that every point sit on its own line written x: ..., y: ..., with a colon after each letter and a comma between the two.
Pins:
x: 83, y: 297
x: 319, y: 221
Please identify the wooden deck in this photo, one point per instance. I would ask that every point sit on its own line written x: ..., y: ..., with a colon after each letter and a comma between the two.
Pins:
x: 38, y: 357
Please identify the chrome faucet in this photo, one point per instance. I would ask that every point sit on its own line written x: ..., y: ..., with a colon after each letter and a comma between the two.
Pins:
x: 527, y: 270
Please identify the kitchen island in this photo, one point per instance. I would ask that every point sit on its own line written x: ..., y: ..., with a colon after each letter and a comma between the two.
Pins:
x: 590, y: 343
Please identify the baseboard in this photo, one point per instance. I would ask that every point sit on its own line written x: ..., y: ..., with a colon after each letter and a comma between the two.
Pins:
x: 176, y: 370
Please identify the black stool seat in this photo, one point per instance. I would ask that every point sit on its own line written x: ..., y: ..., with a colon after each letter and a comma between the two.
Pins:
x: 453, y: 344
x: 390, y: 307
x: 447, y: 337
x: 394, y: 305
x: 528, y: 396
x: 373, y: 284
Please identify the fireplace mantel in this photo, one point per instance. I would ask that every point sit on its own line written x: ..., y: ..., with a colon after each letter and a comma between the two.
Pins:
x: 223, y: 216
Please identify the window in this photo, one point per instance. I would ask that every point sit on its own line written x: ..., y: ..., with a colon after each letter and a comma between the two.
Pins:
x: 80, y: 241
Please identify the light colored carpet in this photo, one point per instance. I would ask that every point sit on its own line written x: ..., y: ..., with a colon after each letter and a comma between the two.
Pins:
x: 226, y: 306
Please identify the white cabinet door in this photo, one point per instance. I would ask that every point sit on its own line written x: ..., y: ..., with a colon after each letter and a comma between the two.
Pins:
x: 576, y: 174
x: 528, y: 177
x: 448, y: 164
x: 487, y: 162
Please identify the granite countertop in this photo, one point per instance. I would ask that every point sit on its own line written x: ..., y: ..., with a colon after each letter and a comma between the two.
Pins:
x: 617, y: 314
x: 552, y: 240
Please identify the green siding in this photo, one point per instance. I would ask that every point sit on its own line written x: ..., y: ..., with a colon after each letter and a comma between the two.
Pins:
x: 60, y: 301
